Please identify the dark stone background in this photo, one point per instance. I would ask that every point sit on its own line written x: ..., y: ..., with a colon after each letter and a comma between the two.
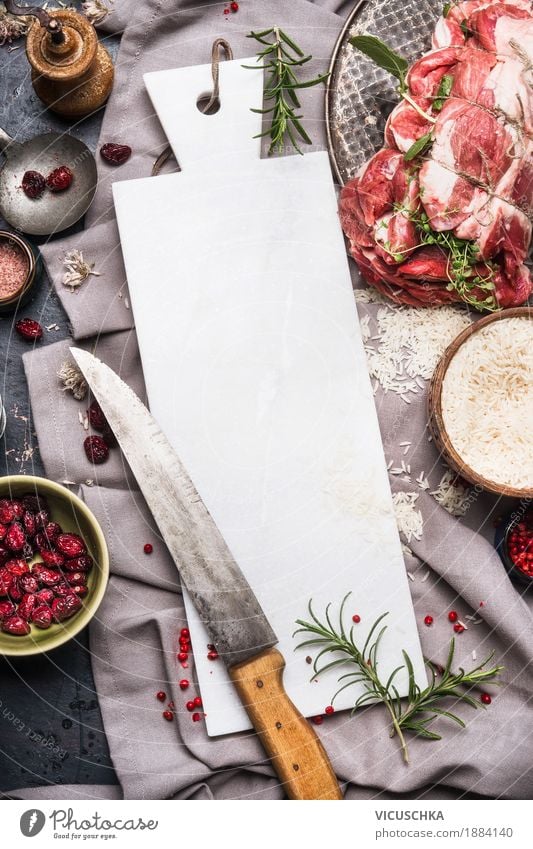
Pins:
x: 50, y: 724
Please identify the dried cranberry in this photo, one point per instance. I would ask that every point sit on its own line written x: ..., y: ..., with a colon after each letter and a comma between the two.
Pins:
x: 17, y: 567
x: 84, y: 563
x: 96, y: 449
x: 7, y: 514
x: 5, y: 582
x: 26, y: 606
x: 80, y: 590
x: 42, y: 543
x: 45, y: 596
x: 53, y: 559
x: 97, y: 420
x: 7, y: 608
x: 34, y: 503
x: 42, y: 518
x: 59, y: 179
x: 64, y: 608
x: 15, y: 537
x: 116, y: 154
x: 71, y: 545
x: 46, y: 576
x: 18, y: 508
x: 28, y: 583
x: 33, y: 184
x: 76, y: 578
x: 42, y: 616
x: 15, y: 592
x: 29, y: 329
x: 52, y: 530
x: 30, y: 526
x: 16, y: 626
x: 62, y: 589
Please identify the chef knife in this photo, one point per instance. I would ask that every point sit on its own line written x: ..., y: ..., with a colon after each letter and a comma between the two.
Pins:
x: 221, y: 594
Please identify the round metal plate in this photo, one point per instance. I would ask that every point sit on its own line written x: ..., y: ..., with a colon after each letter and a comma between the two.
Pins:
x: 360, y: 95
x: 52, y: 212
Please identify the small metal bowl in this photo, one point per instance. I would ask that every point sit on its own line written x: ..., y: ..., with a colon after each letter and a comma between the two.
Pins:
x: 501, y: 543
x: 25, y: 291
x: 75, y: 517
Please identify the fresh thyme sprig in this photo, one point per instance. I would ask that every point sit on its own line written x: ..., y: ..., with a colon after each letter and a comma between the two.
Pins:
x: 282, y: 56
x: 421, y: 707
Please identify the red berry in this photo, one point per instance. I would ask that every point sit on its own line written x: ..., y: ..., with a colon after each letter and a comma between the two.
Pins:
x: 18, y: 508
x: 452, y: 616
x: 52, y: 558
x: 184, y: 633
x: 76, y: 579
x: 148, y: 548
x: 52, y: 530
x: 184, y: 684
x: 318, y: 720
x: 234, y: 7
x: 83, y: 563
x: 226, y: 11
x: 190, y: 706
x: 64, y: 608
x: 17, y: 567
x: 33, y: 184
x: 212, y: 655
x: 26, y: 606
x: 15, y: 537
x: 485, y: 698
x: 96, y: 417
x: 197, y: 701
x: 47, y: 577
x: 28, y: 583
x: 45, y: 596
x: 116, y: 154
x: 356, y: 618
x: 168, y: 715
x: 329, y: 710
x: 7, y: 608
x: 428, y: 620
x: 29, y: 329
x: 59, y: 179
x: 81, y: 590
x: 196, y: 717
x: 42, y: 616
x: 7, y: 514
x: 30, y: 525
x: 458, y: 628
x: 16, y: 626
x: 71, y: 545
x: 161, y: 695
x: 96, y: 449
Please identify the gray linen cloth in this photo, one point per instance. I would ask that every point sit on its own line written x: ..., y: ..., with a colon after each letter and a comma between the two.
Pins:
x: 134, y: 636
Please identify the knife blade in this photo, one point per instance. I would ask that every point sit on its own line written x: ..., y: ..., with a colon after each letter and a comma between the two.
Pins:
x: 220, y: 592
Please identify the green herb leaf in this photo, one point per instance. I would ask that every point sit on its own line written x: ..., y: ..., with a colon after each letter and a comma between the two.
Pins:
x: 446, y: 10
x: 382, y: 55
x: 443, y: 92
x: 419, y: 146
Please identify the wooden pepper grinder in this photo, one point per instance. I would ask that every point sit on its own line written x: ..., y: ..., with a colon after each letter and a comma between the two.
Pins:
x: 72, y: 73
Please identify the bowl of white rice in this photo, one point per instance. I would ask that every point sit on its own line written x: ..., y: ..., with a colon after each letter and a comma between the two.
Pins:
x: 481, y: 403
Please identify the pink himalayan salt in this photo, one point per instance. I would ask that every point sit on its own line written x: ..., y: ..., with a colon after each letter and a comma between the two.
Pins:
x: 13, y: 269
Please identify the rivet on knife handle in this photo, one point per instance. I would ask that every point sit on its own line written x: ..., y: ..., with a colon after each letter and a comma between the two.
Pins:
x: 297, y: 754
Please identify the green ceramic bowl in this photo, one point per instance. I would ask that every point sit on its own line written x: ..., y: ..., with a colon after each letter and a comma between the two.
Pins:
x: 75, y: 517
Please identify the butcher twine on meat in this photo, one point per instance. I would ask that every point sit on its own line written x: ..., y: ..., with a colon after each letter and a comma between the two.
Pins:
x: 474, y: 179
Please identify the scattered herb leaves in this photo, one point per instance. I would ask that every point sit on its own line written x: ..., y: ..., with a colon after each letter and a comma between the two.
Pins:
x: 422, y: 706
x: 443, y: 92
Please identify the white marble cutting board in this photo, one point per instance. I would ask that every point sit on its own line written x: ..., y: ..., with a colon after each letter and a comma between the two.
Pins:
x: 255, y: 369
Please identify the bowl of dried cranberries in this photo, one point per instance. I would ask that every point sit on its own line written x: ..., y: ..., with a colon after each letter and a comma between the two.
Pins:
x: 54, y: 565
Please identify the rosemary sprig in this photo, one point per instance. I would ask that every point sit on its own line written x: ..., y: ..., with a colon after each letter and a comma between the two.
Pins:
x: 281, y: 57
x: 422, y: 705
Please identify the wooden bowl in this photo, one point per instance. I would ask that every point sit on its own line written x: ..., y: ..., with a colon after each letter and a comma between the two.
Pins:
x: 435, y: 418
x: 74, y: 517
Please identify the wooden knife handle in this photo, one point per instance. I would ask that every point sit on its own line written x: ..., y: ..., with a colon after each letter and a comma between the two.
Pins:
x: 297, y: 754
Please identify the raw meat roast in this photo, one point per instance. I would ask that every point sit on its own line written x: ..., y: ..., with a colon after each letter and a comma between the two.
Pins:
x: 451, y: 219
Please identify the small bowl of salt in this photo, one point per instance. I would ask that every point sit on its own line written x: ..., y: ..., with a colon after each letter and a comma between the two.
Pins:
x: 20, y: 268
